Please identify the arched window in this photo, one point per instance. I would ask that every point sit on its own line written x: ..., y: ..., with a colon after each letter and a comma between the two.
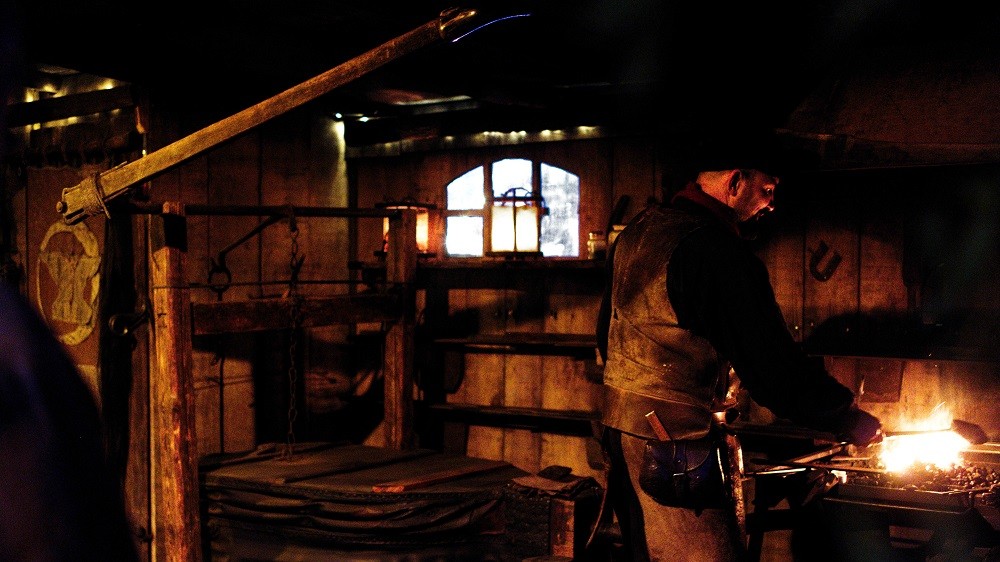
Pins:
x: 471, y: 195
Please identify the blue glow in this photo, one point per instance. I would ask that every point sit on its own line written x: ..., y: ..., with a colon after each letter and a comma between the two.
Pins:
x: 488, y: 23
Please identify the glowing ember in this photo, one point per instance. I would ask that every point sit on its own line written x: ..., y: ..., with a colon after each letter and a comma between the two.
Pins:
x: 940, y: 449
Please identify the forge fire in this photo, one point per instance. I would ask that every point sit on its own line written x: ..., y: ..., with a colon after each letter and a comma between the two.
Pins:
x: 930, y: 478
x: 938, y: 449
x: 925, y: 460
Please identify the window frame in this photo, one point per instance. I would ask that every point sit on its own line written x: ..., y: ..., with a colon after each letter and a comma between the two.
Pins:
x: 489, y: 197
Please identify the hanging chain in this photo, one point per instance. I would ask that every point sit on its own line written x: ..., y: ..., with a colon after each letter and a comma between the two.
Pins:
x: 295, y: 320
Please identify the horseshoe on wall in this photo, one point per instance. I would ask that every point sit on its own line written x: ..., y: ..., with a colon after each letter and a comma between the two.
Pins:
x: 817, y: 257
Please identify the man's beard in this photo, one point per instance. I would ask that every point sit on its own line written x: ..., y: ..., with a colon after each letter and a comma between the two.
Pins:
x: 751, y: 228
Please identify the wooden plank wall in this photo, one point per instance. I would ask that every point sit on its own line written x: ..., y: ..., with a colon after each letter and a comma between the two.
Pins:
x: 296, y: 159
x: 511, y: 302
x: 867, y: 220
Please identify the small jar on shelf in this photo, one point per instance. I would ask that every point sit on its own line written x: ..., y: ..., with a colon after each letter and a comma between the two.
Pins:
x: 597, y: 245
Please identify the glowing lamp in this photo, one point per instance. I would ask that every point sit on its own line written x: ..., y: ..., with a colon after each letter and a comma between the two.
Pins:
x: 423, y: 213
x: 515, y: 219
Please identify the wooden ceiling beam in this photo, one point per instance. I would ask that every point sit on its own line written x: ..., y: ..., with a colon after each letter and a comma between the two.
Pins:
x: 74, y: 105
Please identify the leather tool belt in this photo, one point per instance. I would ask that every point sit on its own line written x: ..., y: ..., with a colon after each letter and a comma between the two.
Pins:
x: 684, y: 473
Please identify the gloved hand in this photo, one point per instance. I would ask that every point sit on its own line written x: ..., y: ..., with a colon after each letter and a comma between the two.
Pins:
x: 861, y: 428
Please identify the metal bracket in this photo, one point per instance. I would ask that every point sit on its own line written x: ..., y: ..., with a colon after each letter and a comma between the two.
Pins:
x: 83, y: 200
x: 453, y: 23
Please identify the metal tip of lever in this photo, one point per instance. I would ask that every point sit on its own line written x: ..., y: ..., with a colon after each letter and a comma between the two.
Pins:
x: 972, y: 433
x: 969, y: 431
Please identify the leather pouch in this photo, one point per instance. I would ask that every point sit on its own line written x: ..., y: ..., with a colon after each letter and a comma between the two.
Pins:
x: 684, y: 473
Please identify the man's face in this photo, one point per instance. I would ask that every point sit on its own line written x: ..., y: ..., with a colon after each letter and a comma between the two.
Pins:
x: 754, y: 196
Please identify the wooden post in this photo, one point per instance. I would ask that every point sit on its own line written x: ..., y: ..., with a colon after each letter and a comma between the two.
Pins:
x: 401, y: 268
x: 173, y: 459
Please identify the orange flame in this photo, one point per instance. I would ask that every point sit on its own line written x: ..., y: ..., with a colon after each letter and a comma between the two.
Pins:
x: 939, y: 447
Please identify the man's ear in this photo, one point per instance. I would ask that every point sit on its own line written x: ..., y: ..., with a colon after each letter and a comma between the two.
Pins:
x: 734, y: 181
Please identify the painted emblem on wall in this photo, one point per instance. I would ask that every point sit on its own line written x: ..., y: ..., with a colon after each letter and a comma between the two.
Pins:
x: 69, y: 256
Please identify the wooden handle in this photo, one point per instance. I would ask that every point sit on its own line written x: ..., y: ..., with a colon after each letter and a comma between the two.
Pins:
x: 657, y: 425
x: 90, y: 196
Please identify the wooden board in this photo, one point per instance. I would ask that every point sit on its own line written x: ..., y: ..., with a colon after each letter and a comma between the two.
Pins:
x: 831, y: 262
x: 437, y: 477
x: 274, y: 313
x: 881, y: 287
x: 634, y: 174
x: 62, y: 268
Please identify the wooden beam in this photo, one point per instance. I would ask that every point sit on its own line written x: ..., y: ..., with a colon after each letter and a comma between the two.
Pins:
x: 274, y: 313
x: 401, y: 269
x: 91, y: 195
x: 76, y: 105
x: 173, y: 461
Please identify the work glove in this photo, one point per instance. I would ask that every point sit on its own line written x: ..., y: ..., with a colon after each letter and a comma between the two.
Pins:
x: 860, y: 428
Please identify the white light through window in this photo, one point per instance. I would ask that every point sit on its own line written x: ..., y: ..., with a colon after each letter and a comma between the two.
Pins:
x: 464, y: 222
x: 464, y: 236
x: 511, y: 173
x: 468, y: 206
x: 466, y: 191
x: 560, y: 234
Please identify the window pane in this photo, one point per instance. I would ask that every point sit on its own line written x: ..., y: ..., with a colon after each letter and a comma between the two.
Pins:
x: 511, y: 172
x: 560, y: 234
x: 466, y: 191
x: 464, y: 236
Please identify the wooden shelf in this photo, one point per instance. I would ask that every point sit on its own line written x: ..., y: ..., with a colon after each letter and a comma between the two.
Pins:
x: 486, y: 272
x: 514, y: 290
x: 275, y: 313
x: 575, y: 276
x: 526, y: 343
x: 563, y: 422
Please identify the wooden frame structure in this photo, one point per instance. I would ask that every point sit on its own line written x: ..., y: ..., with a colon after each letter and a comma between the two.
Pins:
x: 173, y: 458
x: 173, y: 462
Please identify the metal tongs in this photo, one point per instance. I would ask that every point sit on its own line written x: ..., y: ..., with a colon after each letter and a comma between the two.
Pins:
x: 809, y: 460
x: 969, y: 431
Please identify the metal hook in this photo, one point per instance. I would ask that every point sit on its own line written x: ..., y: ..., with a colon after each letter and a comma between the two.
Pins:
x: 218, y: 264
x: 831, y: 265
x: 125, y: 323
x: 219, y: 267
